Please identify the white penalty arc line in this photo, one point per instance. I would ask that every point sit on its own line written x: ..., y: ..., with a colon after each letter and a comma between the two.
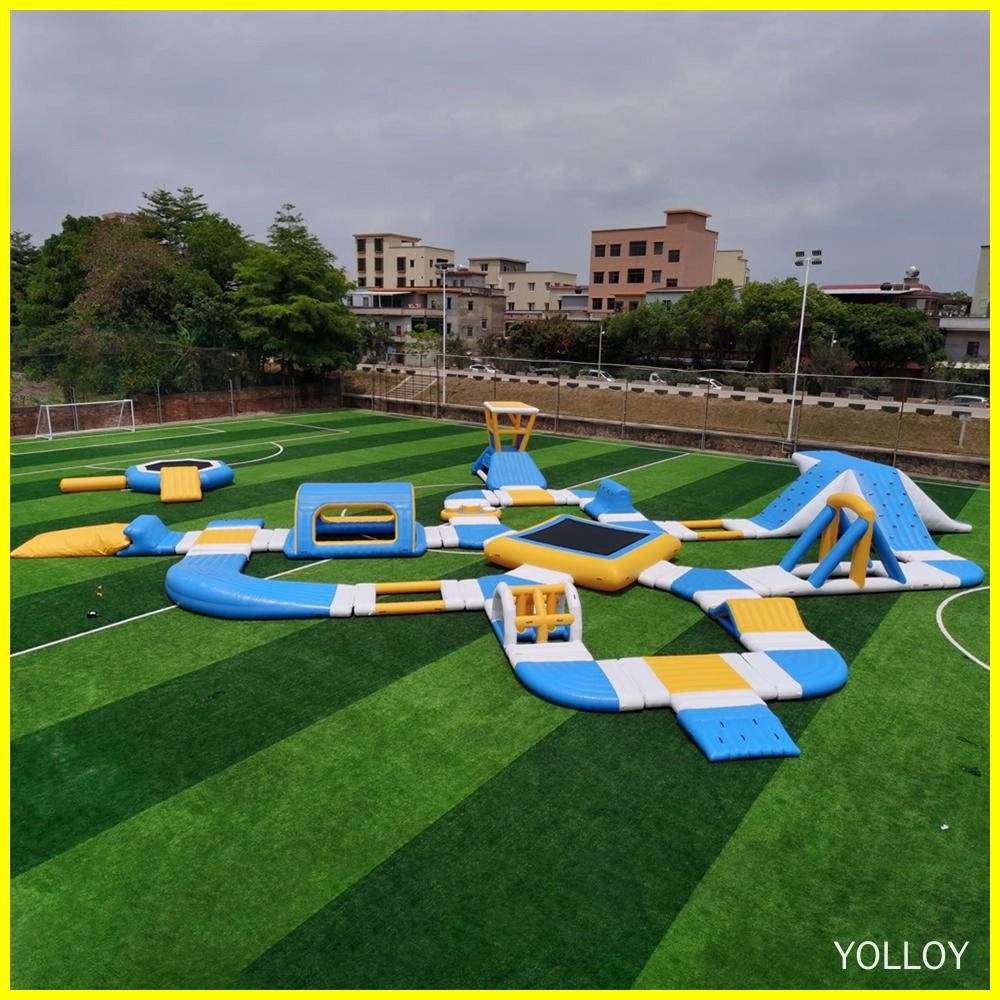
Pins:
x: 938, y: 615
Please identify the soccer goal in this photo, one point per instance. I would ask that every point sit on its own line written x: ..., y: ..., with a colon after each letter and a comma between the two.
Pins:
x: 79, y: 418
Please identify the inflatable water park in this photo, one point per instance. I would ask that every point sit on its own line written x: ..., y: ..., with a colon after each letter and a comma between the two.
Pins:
x: 866, y: 526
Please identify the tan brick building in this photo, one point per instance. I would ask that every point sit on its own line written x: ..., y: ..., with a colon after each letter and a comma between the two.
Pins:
x: 626, y: 263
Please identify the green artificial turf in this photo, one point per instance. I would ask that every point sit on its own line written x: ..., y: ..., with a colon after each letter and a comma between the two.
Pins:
x: 379, y: 804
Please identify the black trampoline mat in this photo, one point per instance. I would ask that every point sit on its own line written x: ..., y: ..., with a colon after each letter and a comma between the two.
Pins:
x: 588, y: 537
x: 177, y: 463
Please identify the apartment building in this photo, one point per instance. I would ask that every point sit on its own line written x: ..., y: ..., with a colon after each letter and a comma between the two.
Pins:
x: 392, y: 260
x: 529, y: 294
x: 626, y: 263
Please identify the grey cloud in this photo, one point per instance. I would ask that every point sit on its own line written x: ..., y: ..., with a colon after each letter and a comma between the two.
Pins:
x: 517, y: 133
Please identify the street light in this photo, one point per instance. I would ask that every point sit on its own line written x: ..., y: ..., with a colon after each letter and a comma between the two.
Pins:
x: 801, y: 260
x: 600, y: 344
x: 443, y: 267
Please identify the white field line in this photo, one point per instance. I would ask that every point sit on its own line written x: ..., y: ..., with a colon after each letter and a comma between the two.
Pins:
x: 312, y: 427
x: 624, y: 472
x: 146, y: 614
x: 938, y: 615
x: 215, y: 451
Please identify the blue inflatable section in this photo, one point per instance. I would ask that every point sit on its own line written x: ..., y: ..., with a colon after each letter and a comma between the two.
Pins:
x: 610, y: 498
x: 880, y: 485
x: 149, y: 536
x: 737, y: 732
x: 967, y: 572
x: 573, y: 683
x: 145, y: 478
x: 513, y: 468
x: 347, y: 520
x: 697, y: 579
x: 818, y: 671
x: 216, y: 585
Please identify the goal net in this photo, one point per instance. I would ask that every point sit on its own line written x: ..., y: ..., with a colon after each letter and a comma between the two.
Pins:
x: 79, y: 418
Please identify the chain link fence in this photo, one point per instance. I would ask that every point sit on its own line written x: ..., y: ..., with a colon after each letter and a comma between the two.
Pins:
x: 723, y: 409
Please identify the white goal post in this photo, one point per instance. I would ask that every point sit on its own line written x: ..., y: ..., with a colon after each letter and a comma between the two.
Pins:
x: 80, y: 418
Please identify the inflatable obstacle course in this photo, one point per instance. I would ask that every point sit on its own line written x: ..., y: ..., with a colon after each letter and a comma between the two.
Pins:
x: 180, y: 480
x: 869, y: 525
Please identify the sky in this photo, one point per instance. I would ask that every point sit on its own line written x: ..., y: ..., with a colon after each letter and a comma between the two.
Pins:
x: 860, y: 133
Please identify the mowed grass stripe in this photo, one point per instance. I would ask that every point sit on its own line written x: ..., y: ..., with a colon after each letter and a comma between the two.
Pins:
x: 53, y: 684
x: 190, y: 891
x: 891, y: 758
x: 129, y: 587
x: 95, y: 770
x: 563, y: 871
x: 321, y: 455
x: 900, y: 750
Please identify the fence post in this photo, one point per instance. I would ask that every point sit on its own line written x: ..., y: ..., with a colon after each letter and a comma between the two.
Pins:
x: 704, y: 423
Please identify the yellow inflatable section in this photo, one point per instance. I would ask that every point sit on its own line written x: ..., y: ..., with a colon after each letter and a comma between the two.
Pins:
x: 95, y: 540
x: 88, y: 484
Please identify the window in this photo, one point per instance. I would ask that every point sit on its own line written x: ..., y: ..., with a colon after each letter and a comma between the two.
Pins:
x: 671, y: 282
x: 632, y: 306
x: 616, y: 249
x: 361, y: 245
x: 597, y: 304
x: 379, y: 283
x: 656, y: 277
x: 613, y: 277
x: 510, y: 307
x: 636, y: 275
x: 484, y: 267
x: 612, y: 306
x: 378, y: 245
x: 510, y: 286
x: 658, y: 248
x: 401, y: 264
x: 471, y: 305
x: 637, y: 248
x: 531, y: 307
x: 599, y: 249
x: 378, y: 265
x: 531, y: 286
x: 598, y: 277
x: 411, y: 262
x: 482, y: 323
x: 972, y: 349
x: 673, y: 256
x: 361, y: 265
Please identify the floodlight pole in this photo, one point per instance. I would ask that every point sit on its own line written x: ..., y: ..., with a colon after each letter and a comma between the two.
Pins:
x: 801, y: 259
x: 443, y: 267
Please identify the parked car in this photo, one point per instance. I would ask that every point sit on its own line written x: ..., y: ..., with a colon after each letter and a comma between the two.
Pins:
x: 599, y: 373
x: 853, y: 392
x: 547, y: 372
x: 488, y: 369
x: 711, y: 383
x: 969, y: 401
x: 653, y: 377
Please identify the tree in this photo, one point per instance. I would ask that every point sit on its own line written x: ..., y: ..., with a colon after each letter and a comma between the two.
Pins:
x: 554, y: 337
x: 54, y: 282
x: 291, y: 299
x: 129, y: 283
x: 709, y: 318
x: 770, y: 316
x: 165, y: 216
x: 642, y: 335
x: 886, y: 336
x: 23, y: 257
